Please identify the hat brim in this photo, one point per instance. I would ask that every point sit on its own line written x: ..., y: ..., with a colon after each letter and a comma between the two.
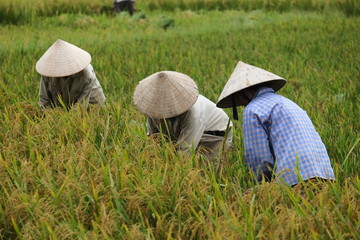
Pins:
x: 237, y: 97
x: 62, y: 59
x: 165, y: 94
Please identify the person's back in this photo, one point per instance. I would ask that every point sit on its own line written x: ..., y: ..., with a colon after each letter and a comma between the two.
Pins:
x: 188, y: 129
x: 278, y: 135
x: 173, y: 107
x: 67, y: 78
x: 72, y: 89
x: 214, y: 118
x: 297, y: 146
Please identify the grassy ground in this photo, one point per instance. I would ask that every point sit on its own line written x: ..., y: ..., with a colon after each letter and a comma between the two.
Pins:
x: 71, y: 175
x: 24, y: 11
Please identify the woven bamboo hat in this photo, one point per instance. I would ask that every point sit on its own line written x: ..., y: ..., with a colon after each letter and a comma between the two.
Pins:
x: 243, y: 77
x: 165, y: 94
x: 62, y: 59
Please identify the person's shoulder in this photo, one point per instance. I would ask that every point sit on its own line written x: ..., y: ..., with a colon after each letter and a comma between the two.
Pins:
x: 268, y: 99
x: 251, y: 107
x: 203, y: 99
x: 89, y: 68
x: 255, y: 103
x: 89, y: 72
x: 260, y: 104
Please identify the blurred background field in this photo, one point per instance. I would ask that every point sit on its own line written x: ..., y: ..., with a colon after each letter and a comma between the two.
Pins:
x: 70, y: 175
x: 21, y: 11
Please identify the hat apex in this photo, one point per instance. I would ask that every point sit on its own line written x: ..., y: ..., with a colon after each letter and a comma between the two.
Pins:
x: 245, y: 76
x: 62, y: 59
x: 165, y: 94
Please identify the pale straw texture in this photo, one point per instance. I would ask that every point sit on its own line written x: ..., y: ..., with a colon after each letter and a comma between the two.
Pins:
x: 165, y: 94
x: 245, y: 76
x: 62, y: 59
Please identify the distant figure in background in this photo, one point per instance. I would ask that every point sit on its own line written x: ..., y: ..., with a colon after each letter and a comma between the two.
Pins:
x: 173, y: 106
x: 68, y: 78
x: 122, y: 5
x: 278, y: 135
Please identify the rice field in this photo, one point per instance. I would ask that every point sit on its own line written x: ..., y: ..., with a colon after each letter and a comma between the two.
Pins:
x: 23, y: 11
x: 96, y: 175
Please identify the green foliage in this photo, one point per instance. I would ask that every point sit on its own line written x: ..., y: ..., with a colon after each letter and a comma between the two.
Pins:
x: 165, y: 22
x: 96, y: 175
x: 23, y: 11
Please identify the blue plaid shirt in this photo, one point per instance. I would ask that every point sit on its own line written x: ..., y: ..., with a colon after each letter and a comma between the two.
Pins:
x: 273, y: 121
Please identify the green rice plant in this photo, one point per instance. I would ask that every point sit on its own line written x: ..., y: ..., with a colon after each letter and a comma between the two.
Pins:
x: 96, y: 175
x: 22, y: 11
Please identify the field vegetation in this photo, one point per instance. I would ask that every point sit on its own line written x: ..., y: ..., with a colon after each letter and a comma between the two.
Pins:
x: 22, y: 11
x: 96, y: 175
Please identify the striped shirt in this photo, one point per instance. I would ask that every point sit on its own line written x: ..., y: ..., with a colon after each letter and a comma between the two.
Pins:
x: 277, y: 128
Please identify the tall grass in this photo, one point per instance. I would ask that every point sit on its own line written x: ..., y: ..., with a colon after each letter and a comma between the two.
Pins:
x: 22, y: 11
x: 71, y: 175
x: 77, y: 175
x: 350, y: 7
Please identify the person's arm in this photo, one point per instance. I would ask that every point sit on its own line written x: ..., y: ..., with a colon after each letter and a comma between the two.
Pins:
x: 84, y: 96
x: 44, y: 100
x: 192, y: 129
x: 89, y: 79
x: 151, y: 127
x: 258, y: 155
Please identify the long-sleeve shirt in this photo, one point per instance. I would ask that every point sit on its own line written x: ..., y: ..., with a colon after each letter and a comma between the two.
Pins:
x: 278, y: 132
x: 188, y: 128
x: 80, y: 88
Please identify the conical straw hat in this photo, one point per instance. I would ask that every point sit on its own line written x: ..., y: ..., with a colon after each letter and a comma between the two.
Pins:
x: 165, y: 94
x: 245, y: 76
x: 62, y: 59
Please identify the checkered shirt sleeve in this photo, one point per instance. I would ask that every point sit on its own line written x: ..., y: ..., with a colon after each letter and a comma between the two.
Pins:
x: 256, y: 139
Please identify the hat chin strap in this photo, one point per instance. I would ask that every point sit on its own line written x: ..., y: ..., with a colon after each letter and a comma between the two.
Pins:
x: 235, y: 113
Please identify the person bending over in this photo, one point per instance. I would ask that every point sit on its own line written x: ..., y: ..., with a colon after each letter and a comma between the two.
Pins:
x: 122, y: 5
x: 173, y: 107
x: 278, y: 135
x: 67, y: 78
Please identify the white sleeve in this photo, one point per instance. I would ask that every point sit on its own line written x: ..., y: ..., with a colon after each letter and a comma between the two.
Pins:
x: 192, y: 130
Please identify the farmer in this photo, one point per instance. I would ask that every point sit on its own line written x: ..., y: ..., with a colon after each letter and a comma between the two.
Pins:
x: 278, y: 135
x: 173, y: 106
x: 122, y: 5
x: 67, y: 78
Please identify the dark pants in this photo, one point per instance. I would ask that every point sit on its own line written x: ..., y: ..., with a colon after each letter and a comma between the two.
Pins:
x: 124, y: 5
